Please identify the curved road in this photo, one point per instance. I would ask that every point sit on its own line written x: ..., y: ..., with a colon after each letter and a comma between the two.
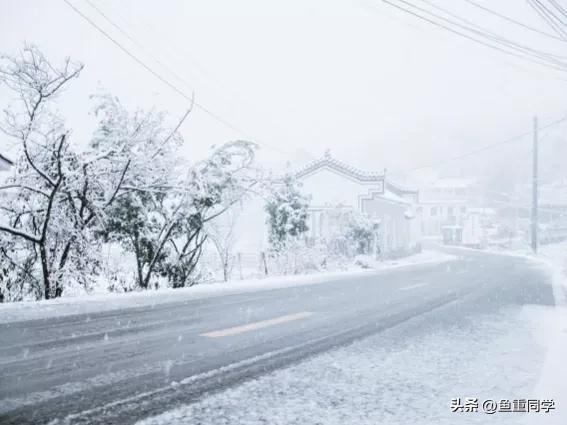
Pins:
x: 125, y: 365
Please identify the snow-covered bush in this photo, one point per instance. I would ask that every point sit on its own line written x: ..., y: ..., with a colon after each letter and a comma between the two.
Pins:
x: 297, y: 257
x: 287, y: 213
x: 350, y: 232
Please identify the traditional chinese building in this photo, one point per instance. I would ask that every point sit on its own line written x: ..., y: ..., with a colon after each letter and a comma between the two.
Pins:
x: 333, y: 186
x: 332, y: 183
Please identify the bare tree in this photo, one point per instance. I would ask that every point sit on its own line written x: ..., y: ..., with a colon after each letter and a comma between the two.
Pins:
x: 222, y: 234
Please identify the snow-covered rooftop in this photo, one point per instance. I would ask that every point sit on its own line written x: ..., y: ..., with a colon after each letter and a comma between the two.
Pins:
x: 327, y: 160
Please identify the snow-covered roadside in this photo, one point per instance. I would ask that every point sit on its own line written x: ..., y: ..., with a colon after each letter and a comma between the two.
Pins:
x: 399, y: 377
x: 555, y: 257
x: 553, y: 379
x: 404, y: 376
x: 552, y: 382
x: 12, y: 312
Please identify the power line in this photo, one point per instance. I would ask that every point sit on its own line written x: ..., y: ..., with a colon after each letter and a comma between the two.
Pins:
x: 507, y: 18
x: 489, y: 147
x: 167, y: 82
x: 476, y: 40
x: 543, y: 56
x: 541, y: 11
x: 179, y: 52
x: 547, y: 15
x: 558, y: 6
x: 550, y: 12
x: 489, y: 34
x: 139, y: 45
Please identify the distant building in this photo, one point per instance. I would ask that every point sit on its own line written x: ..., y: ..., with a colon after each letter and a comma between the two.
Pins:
x: 447, y: 208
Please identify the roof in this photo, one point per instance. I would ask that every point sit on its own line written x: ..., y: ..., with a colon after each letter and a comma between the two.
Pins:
x: 328, y: 161
x: 355, y: 173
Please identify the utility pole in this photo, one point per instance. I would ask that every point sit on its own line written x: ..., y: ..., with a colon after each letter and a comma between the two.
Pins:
x: 534, y: 187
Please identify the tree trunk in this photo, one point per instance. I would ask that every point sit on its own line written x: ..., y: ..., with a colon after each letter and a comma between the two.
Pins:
x: 45, y: 271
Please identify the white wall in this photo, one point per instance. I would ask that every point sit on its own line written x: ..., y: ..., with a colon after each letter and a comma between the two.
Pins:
x: 330, y: 189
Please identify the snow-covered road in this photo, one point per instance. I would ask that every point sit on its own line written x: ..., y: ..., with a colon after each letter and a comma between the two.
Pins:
x: 472, y: 327
x: 405, y: 375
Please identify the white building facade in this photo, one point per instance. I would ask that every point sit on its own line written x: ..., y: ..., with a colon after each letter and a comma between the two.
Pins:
x: 447, y: 205
x: 333, y: 185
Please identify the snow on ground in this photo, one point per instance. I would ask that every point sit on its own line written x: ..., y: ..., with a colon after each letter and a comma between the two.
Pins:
x: 555, y: 257
x: 12, y: 312
x: 553, y: 379
x: 409, y: 374
x: 396, y: 377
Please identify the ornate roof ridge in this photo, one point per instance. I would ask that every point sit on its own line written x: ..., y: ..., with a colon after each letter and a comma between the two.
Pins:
x: 328, y: 160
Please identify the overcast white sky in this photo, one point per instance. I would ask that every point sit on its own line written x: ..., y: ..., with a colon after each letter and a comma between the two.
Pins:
x: 377, y: 87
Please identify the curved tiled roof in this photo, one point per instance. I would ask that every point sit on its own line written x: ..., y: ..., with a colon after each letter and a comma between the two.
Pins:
x: 328, y: 161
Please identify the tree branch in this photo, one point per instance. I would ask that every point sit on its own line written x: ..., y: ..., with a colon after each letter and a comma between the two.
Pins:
x: 16, y: 232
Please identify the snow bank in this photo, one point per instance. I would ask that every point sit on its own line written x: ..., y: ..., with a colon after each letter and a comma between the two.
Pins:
x: 553, y: 379
x: 12, y: 312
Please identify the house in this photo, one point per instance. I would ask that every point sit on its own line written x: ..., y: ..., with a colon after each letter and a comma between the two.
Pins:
x: 333, y: 187
x: 446, y: 206
x: 332, y: 183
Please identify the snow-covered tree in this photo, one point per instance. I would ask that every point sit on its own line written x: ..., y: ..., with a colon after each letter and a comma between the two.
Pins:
x: 150, y: 196
x: 214, y: 186
x: 287, y: 213
x: 60, y: 197
x: 34, y: 221
x: 126, y: 185
x: 222, y: 234
x: 163, y: 223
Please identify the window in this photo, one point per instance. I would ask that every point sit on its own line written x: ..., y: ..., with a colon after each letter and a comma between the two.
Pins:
x: 433, y: 211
